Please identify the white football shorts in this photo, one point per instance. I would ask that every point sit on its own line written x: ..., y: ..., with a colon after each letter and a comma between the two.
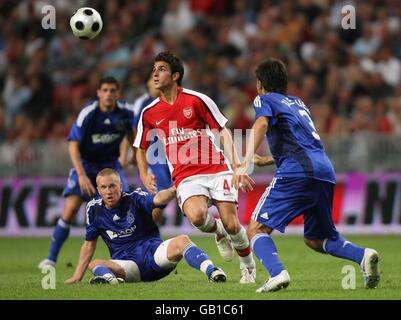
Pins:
x: 214, y: 186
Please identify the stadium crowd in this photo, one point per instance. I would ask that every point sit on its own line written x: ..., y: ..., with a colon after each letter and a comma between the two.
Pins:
x: 351, y: 79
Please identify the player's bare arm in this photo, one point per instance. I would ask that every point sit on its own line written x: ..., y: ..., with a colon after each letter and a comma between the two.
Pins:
x: 163, y: 197
x: 84, y: 182
x: 147, y: 178
x: 231, y: 152
x: 262, y: 161
x: 87, y: 251
x: 258, y: 133
x: 134, y: 150
x: 125, y: 144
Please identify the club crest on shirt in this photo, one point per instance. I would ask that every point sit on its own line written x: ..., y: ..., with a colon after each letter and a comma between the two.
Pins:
x: 187, y: 112
x: 130, y: 217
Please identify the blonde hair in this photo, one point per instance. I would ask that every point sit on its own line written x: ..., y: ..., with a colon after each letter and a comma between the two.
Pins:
x: 107, y: 172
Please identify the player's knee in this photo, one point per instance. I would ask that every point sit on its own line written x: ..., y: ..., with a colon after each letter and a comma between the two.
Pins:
x: 183, y: 241
x: 93, y: 264
x: 198, y: 218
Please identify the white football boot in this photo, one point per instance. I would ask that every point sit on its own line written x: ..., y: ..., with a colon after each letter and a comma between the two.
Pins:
x: 45, y: 263
x: 370, y: 268
x: 282, y: 280
x: 248, y: 275
x: 217, y: 275
x: 107, y: 278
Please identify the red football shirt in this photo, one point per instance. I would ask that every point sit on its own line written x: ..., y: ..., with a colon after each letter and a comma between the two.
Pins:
x: 185, y: 128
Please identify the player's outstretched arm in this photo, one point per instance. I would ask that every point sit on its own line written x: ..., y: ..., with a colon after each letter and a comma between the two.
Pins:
x: 259, y: 129
x: 163, y: 197
x: 148, y: 180
x: 87, y: 251
x: 232, y: 154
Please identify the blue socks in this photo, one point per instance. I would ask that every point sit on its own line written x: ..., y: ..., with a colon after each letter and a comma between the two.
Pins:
x: 264, y: 248
x: 60, y: 234
x: 343, y: 249
x: 198, y: 259
x: 100, y: 270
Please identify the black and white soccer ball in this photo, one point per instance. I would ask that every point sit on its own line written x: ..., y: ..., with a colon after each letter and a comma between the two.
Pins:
x: 86, y: 23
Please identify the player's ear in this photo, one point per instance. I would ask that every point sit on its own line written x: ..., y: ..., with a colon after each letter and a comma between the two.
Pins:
x: 259, y: 87
x: 176, y: 76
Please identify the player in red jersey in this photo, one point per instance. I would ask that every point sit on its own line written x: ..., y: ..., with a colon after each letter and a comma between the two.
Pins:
x: 185, y: 121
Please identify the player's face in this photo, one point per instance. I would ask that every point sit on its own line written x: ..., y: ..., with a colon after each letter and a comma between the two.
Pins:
x: 110, y: 189
x: 162, y: 76
x: 108, y: 95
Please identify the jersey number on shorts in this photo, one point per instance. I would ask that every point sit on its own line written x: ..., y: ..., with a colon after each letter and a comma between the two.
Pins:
x: 226, y: 186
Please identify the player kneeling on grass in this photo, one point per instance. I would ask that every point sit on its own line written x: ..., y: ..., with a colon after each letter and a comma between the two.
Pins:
x: 124, y: 221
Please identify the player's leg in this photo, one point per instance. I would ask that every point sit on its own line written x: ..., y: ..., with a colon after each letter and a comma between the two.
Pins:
x: 193, y: 198
x: 239, y: 239
x: 283, y: 200
x: 196, y: 210
x: 107, y: 271
x: 62, y: 229
x: 265, y: 250
x: 321, y: 235
x: 172, y: 251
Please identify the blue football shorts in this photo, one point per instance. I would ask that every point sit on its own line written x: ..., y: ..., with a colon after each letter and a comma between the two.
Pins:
x: 143, y: 255
x: 287, y: 198
x: 91, y: 169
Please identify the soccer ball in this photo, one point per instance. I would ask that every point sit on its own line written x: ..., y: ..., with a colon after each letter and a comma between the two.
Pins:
x: 86, y: 23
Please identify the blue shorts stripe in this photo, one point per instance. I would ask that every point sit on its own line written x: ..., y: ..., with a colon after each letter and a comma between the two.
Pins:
x: 263, y: 198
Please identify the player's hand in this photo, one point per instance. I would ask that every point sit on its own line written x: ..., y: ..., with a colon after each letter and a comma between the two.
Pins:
x: 71, y: 280
x: 86, y: 186
x: 241, y: 180
x: 149, y: 181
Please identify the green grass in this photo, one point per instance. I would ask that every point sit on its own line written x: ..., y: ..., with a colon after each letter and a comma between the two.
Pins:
x: 313, y: 275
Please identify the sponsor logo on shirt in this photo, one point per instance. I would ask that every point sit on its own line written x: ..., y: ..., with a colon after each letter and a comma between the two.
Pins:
x: 122, y: 233
x: 180, y: 134
x: 104, y: 138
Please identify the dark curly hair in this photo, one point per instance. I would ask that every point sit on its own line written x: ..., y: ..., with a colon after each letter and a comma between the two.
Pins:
x: 174, y: 62
x: 273, y: 75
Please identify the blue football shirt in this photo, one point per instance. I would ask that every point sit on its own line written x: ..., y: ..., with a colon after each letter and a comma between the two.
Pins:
x: 100, y: 133
x: 122, y: 228
x: 292, y: 138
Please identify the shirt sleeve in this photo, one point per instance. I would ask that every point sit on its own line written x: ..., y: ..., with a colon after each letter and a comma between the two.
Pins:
x: 92, y: 232
x: 76, y: 133
x: 262, y: 108
x: 143, y: 128
x: 212, y: 114
x: 143, y: 200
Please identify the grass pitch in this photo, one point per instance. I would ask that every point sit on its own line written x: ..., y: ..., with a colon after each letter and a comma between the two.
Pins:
x: 313, y: 275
